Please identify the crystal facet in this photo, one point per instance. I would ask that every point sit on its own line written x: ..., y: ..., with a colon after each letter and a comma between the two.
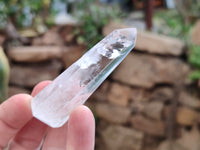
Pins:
x: 72, y: 88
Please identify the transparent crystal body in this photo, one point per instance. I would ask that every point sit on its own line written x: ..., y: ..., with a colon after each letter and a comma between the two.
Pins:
x: 72, y: 88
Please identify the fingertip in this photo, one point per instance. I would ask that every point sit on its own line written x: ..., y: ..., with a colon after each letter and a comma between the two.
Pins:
x: 21, y: 99
x: 18, y: 105
x: 40, y: 86
x: 84, y: 110
x: 81, y: 128
x: 83, y: 114
x: 14, y: 114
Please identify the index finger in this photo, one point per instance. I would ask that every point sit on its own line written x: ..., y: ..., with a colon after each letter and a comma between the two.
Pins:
x: 14, y: 114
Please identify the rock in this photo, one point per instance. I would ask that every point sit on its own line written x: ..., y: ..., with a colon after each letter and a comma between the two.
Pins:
x: 150, y: 142
x: 167, y: 112
x: 67, y: 34
x: 2, y: 39
x: 140, y: 95
x: 151, y: 109
x: 71, y: 54
x: 102, y: 125
x: 195, y: 37
x: 122, y: 138
x: 162, y: 94
x: 99, y: 145
x: 29, y: 75
x: 190, y: 139
x: 51, y: 37
x: 34, y: 53
x: 155, y: 128
x: 159, y: 44
x: 170, y: 145
x: 68, y: 54
x: 113, y: 26
x: 154, y: 110
x: 151, y: 42
x: 189, y: 100
x: 28, y: 33
x: 150, y: 102
x: 186, y: 116
x: 137, y: 107
x: 101, y: 93
x: 13, y: 90
x: 119, y: 94
x: 147, y: 71
x: 112, y: 113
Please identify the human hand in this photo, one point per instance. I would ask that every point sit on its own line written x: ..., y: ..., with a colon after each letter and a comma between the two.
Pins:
x: 21, y: 131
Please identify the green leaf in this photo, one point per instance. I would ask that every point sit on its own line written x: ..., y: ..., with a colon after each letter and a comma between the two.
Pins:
x: 194, y: 55
x: 4, y: 75
x: 195, y: 75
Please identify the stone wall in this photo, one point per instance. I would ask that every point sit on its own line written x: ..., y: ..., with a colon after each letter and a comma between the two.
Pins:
x: 147, y: 103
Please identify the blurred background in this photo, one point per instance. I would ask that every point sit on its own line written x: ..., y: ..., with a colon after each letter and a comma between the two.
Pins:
x: 150, y: 102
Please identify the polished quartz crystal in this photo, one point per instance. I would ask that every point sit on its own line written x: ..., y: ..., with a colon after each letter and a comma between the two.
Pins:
x: 72, y: 88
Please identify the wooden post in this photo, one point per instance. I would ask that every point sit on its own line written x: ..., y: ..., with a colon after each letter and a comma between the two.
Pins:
x: 149, y: 6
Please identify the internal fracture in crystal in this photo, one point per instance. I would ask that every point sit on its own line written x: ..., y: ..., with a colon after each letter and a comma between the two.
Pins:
x: 73, y: 87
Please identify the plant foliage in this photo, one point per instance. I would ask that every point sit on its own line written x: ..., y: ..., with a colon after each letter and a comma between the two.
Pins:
x: 93, y: 17
x: 178, y: 23
x: 194, y: 55
x: 171, y: 23
x: 22, y: 13
x: 4, y: 75
x: 194, y: 59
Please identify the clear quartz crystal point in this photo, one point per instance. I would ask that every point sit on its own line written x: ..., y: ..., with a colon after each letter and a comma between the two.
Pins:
x: 72, y: 88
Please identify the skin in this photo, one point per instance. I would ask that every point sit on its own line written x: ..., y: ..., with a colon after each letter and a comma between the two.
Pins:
x: 20, y: 131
